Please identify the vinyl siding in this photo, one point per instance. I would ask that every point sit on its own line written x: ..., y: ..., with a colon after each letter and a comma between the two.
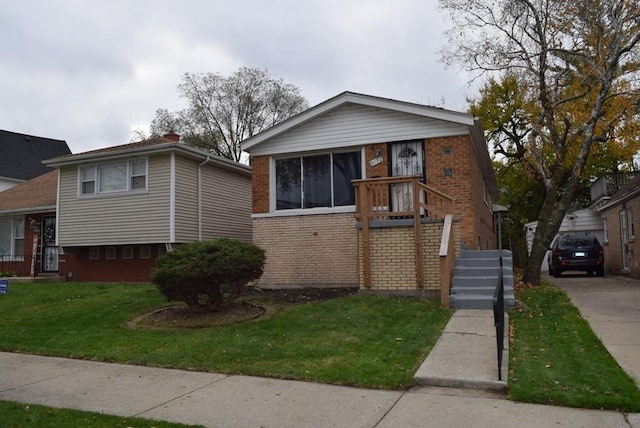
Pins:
x: 353, y: 125
x: 127, y: 218
x: 226, y: 204
x: 186, y: 200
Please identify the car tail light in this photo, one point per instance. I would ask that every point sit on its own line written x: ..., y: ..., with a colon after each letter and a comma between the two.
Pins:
x: 600, y: 250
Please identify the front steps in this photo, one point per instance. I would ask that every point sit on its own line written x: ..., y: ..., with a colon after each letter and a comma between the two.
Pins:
x: 476, y: 277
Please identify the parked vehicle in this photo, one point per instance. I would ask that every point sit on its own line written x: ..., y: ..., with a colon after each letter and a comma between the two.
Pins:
x: 576, y: 252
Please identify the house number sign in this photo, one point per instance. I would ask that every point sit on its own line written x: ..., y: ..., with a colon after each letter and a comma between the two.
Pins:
x: 375, y: 161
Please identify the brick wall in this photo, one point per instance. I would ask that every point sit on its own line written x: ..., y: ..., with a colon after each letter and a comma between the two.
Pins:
x: 260, y: 184
x: 393, y: 257
x: 308, y: 250
x: 613, y: 248
x: 135, y: 269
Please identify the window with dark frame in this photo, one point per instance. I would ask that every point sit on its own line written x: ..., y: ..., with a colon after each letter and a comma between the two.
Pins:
x: 317, y: 181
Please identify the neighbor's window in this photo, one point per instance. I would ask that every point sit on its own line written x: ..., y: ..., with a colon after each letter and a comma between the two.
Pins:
x: 110, y: 253
x: 94, y: 253
x: 127, y: 252
x: 145, y: 252
x: 12, y: 237
x: 314, y: 181
x: 605, y: 231
x: 113, y: 177
x: 630, y: 226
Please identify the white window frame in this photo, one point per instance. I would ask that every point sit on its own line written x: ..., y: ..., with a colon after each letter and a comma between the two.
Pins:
x: 16, y: 233
x: 94, y: 253
x: 127, y: 252
x: 273, y: 211
x: 110, y: 253
x: 630, y: 225
x: 130, y: 175
x: 605, y: 231
x: 145, y: 251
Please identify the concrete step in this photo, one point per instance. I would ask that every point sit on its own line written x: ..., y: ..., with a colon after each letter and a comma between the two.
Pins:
x: 478, y: 301
x: 485, y: 254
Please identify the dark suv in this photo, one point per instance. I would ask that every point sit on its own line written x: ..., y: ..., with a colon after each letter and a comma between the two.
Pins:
x: 576, y: 252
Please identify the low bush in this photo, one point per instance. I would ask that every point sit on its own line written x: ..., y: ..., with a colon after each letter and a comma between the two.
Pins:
x: 206, y: 273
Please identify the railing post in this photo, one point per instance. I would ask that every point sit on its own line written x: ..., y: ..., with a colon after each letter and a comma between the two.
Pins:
x: 446, y: 254
x: 364, y: 194
x: 417, y: 233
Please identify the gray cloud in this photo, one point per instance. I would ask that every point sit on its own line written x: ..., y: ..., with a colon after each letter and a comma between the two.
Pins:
x: 91, y: 72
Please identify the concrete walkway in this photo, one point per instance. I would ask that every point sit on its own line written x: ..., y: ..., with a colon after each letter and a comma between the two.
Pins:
x: 216, y: 400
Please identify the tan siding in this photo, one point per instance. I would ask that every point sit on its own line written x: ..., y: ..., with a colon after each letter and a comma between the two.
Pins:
x: 354, y: 125
x: 186, y: 200
x: 226, y: 204
x: 128, y: 218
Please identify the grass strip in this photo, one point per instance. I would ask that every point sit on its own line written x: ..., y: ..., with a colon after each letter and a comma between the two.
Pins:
x: 364, y: 341
x: 557, y: 359
x: 32, y: 415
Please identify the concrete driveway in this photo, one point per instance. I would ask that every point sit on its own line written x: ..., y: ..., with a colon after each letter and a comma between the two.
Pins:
x: 611, y: 305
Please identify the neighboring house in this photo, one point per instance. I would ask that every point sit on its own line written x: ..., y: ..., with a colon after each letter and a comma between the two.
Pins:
x: 121, y: 207
x: 585, y: 220
x: 21, y: 157
x: 405, y: 158
x: 27, y: 228
x: 619, y: 214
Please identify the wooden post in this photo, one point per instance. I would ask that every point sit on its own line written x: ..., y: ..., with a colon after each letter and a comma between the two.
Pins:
x: 364, y: 194
x: 446, y: 256
x: 417, y: 233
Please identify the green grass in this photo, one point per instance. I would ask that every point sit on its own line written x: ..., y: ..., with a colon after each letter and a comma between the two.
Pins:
x: 365, y: 341
x: 31, y: 415
x: 557, y: 359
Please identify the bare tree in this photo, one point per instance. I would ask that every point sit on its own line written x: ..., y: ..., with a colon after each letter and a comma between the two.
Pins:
x: 578, y: 60
x: 223, y: 111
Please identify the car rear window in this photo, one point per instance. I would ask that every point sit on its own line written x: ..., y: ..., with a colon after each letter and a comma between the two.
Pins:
x: 576, y: 241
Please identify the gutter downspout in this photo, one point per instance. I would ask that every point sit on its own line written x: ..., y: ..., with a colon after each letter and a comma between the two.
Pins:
x: 200, y: 197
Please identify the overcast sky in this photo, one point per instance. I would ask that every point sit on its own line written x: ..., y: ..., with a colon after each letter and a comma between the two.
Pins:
x: 91, y: 72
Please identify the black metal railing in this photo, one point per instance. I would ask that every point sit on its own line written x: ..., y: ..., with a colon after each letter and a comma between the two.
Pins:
x: 14, y: 266
x: 498, y: 318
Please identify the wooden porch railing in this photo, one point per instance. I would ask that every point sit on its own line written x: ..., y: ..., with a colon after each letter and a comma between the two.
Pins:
x: 394, y: 198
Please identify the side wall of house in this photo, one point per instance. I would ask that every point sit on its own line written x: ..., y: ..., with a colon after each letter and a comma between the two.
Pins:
x: 613, y: 246
x: 226, y: 204
x: 308, y: 250
x: 80, y: 266
x: 118, y: 219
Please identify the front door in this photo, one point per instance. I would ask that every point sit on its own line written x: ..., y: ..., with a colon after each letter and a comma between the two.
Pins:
x: 623, y: 240
x: 49, y: 248
x: 407, y: 158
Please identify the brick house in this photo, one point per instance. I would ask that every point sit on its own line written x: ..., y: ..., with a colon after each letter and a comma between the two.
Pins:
x: 353, y: 192
x: 622, y: 250
x: 121, y: 207
x: 27, y: 228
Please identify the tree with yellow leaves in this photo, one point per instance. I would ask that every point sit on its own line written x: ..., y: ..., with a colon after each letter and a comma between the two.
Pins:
x: 570, y: 75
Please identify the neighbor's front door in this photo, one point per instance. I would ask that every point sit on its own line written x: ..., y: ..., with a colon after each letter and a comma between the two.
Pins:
x: 49, y: 248
x: 407, y: 158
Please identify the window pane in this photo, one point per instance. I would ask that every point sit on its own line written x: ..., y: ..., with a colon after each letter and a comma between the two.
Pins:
x: 6, y: 235
x: 88, y: 187
x: 19, y: 228
x: 139, y: 168
x: 113, y: 178
x: 18, y: 247
x: 317, y: 181
x: 288, y: 194
x: 88, y: 173
x: 346, y: 167
x: 139, y: 182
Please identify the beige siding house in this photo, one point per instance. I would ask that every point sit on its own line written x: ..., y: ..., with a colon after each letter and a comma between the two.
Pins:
x: 119, y: 208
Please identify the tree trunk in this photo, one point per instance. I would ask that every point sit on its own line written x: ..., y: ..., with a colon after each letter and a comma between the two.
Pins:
x: 549, y: 222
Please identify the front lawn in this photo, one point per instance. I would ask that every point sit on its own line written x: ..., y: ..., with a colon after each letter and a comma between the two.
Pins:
x: 365, y: 341
x: 557, y: 359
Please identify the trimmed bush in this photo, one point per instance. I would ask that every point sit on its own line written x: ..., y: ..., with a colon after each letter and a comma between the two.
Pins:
x: 206, y: 273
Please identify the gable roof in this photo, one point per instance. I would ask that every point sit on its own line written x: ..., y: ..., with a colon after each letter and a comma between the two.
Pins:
x: 166, y: 144
x: 357, y: 99
x: 22, y: 154
x: 36, y: 195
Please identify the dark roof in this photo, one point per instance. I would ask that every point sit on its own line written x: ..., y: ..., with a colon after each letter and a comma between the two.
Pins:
x: 22, y: 155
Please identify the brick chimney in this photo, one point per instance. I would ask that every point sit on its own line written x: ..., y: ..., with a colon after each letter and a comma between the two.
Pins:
x: 172, y: 136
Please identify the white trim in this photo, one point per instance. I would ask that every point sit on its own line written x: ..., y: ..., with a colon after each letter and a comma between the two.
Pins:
x: 172, y: 199
x: 58, y: 207
x: 307, y: 211
x: 128, y: 164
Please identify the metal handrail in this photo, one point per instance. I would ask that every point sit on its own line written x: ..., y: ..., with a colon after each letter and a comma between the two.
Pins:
x: 498, y: 317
